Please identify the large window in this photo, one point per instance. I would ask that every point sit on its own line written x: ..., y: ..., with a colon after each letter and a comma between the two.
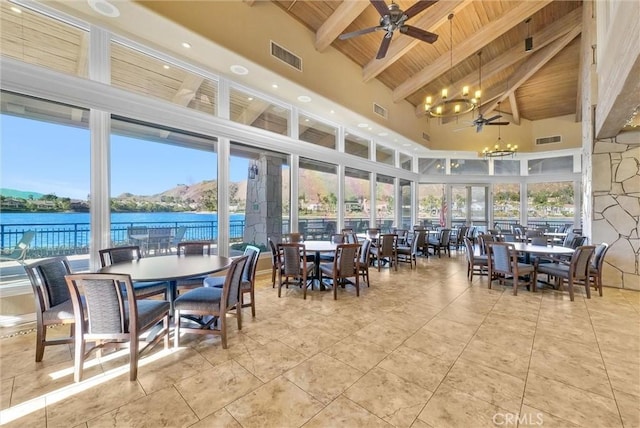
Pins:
x: 45, y: 176
x: 317, y: 198
x: 384, y: 155
x: 251, y: 110
x: 405, y: 192
x: 428, y: 166
x: 550, y: 203
x: 164, y: 187
x: 258, y: 197
x: 316, y: 132
x: 430, y: 204
x: 506, y: 204
x: 385, y: 202
x: 357, y: 199
x: 551, y: 165
x: 356, y: 146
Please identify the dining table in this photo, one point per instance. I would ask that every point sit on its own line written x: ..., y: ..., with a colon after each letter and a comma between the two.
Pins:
x: 169, y: 268
x: 549, y: 250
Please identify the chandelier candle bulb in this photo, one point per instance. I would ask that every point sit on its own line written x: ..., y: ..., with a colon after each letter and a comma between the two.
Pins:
x: 456, y: 109
x: 465, y: 91
x: 444, y: 93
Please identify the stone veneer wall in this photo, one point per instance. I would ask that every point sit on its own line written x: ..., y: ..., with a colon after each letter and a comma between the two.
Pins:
x: 263, y: 213
x: 616, y: 211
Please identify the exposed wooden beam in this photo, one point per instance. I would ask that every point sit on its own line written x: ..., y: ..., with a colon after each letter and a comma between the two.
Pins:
x: 515, y: 113
x: 340, y: 19
x: 188, y: 89
x: 472, y: 44
x: 543, y: 38
x: 531, y: 66
x: 431, y: 21
x: 586, y: 54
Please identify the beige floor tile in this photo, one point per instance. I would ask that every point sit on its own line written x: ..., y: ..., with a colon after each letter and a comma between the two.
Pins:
x: 625, y: 376
x: 309, y: 341
x: 531, y: 417
x: 451, y: 329
x: 343, y: 412
x: 416, y: 367
x: 462, y: 316
x: 589, y: 376
x: 357, y: 352
x: 279, y: 403
x: 512, y: 361
x: 323, y: 377
x: 575, y: 331
x: 13, y: 364
x: 170, y: 409
x: 385, y: 335
x: 436, y: 345
x: 567, y: 349
x: 389, y: 397
x: 28, y: 414
x: 487, y: 384
x: 270, y: 360
x: 83, y: 401
x: 629, y: 406
x: 452, y: 408
x: 567, y: 402
x: 211, y: 349
x: 214, y: 388
x: 419, y: 423
x: 6, y: 387
x: 220, y: 419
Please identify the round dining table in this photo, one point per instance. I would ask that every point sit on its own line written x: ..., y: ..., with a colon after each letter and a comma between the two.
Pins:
x: 550, y: 250
x: 169, y: 268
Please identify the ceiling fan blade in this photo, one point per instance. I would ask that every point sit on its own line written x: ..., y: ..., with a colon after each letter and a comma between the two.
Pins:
x: 497, y: 123
x: 346, y: 36
x: 380, y: 6
x: 418, y: 33
x: 497, y: 116
x: 479, y: 126
x: 384, y: 46
x: 418, y: 7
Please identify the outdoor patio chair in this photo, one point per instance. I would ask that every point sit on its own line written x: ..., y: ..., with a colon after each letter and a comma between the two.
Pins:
x: 113, y: 317
x: 248, y: 278
x: 344, y: 266
x: 142, y: 289
x: 211, y: 305
x: 53, y: 302
x: 19, y: 252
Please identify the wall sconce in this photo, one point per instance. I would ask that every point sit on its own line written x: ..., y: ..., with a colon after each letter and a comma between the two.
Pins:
x: 253, y: 171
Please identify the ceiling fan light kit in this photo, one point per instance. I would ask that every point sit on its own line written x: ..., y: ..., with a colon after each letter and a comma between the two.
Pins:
x: 450, y: 107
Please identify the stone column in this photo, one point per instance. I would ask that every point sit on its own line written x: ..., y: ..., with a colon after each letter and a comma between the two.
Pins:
x: 263, y: 213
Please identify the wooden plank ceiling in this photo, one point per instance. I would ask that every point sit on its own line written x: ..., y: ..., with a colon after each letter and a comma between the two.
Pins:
x: 539, y: 84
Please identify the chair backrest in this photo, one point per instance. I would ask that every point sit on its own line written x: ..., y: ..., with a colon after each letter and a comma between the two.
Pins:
x: 471, y: 232
x: 373, y: 233
x: 275, y: 255
x: 533, y: 232
x: 568, y: 240
x: 193, y: 248
x: 351, y: 238
x: 346, y: 261
x: 179, y: 236
x: 47, y: 280
x: 292, y: 254
x: 293, y: 237
x: 598, y: 258
x: 578, y: 241
x: 137, y: 230
x: 347, y: 230
x: 581, y: 261
x: 539, y: 240
x: 507, y: 237
x: 110, y: 256
x: 20, y: 250
x: 484, y: 240
x: 501, y: 257
x: 233, y: 283
x: 109, y: 299
x: 445, y: 237
x: 249, y: 273
x: 469, y: 249
x: 387, y: 244
x: 337, y: 238
x: 365, y: 246
x: 417, y: 241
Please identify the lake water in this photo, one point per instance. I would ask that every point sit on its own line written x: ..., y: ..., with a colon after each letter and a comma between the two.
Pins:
x: 137, y: 218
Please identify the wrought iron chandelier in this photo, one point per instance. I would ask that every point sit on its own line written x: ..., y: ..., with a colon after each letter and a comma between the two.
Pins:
x: 500, y: 149
x: 457, y: 105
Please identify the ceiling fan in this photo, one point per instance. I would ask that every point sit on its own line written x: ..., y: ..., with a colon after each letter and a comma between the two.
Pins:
x: 392, y: 18
x: 480, y: 121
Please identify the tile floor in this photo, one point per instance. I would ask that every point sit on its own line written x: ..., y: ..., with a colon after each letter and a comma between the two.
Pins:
x: 421, y: 348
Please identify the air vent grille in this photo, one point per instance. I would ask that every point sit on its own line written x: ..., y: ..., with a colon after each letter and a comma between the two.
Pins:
x: 548, y: 140
x: 286, y: 56
x: 379, y: 110
x: 426, y: 136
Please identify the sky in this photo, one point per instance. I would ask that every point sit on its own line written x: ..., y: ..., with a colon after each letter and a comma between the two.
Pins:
x: 51, y: 158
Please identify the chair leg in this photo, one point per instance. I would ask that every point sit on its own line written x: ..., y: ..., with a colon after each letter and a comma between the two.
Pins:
x: 273, y: 277
x: 588, y: 287
x: 41, y: 336
x: 239, y: 315
x: 176, y: 329
x: 165, y: 325
x: 335, y: 288
x: 78, y: 354
x: 357, y: 286
x: 279, y: 283
x: 570, y: 289
x: 133, y: 358
x: 223, y: 329
x: 253, y: 302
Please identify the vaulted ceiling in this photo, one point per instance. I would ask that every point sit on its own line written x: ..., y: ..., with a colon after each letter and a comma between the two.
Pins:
x: 537, y: 84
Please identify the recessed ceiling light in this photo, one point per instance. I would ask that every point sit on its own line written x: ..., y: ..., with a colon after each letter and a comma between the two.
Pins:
x: 250, y: 98
x: 274, y: 85
x: 239, y: 70
x: 166, y: 67
x: 15, y: 9
x: 103, y: 7
x: 332, y: 111
x: 383, y: 134
x: 306, y: 120
x: 186, y: 45
x: 304, y: 99
x: 406, y: 144
x: 363, y: 125
x: 370, y: 129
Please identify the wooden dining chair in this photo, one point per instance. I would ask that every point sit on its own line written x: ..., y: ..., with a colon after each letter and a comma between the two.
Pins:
x: 113, y: 316
x: 345, y: 266
x: 294, y: 265
x: 276, y: 261
x: 211, y: 305
x: 475, y: 263
x: 385, y: 251
x: 574, y: 272
x: 192, y: 248
x: 503, y: 264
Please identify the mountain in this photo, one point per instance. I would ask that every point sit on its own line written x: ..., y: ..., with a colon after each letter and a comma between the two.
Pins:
x: 21, y: 194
